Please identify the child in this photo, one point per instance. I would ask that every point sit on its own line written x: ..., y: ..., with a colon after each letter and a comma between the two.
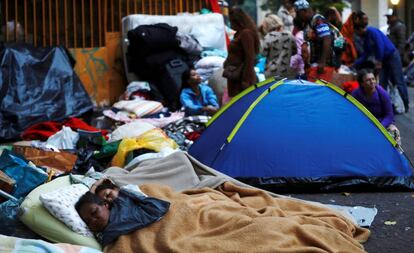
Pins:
x: 120, y: 213
x: 108, y: 191
x: 197, y: 98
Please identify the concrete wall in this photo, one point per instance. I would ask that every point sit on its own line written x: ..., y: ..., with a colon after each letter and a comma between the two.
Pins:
x: 375, y: 9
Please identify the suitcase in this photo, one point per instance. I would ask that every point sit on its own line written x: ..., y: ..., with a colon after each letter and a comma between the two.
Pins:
x: 170, y: 82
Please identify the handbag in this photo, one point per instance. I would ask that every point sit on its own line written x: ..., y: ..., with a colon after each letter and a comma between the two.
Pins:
x: 233, y: 72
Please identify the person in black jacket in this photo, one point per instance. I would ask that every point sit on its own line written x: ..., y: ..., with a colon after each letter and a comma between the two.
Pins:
x: 397, y: 32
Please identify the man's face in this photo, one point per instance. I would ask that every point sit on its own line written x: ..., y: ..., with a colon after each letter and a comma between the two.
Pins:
x: 194, y: 77
x: 360, y: 22
x: 302, y: 15
x: 365, y: 20
x: 391, y: 19
x: 369, y: 82
x: 95, y: 216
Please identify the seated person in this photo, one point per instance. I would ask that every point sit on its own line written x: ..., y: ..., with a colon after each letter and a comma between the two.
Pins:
x: 119, y: 212
x: 197, y: 98
x: 377, y: 101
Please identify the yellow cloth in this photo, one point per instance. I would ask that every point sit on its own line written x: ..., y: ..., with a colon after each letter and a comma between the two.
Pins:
x: 154, y: 139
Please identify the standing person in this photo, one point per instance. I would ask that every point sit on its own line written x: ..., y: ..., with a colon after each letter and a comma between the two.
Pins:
x: 278, y: 48
x: 299, y: 60
x: 348, y: 31
x: 397, y: 32
x: 376, y: 100
x: 387, y: 60
x: 287, y: 13
x: 197, y: 98
x: 360, y: 19
x: 334, y: 17
x: 321, y: 36
x: 239, y: 65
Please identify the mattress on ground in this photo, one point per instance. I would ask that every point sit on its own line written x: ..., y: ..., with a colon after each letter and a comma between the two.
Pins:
x: 37, y: 218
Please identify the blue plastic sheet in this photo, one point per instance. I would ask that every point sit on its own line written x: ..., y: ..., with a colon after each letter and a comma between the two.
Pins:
x: 37, y: 85
x: 27, y: 177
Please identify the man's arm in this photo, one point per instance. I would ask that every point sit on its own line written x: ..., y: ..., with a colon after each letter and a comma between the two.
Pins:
x: 323, y: 32
x: 326, y: 52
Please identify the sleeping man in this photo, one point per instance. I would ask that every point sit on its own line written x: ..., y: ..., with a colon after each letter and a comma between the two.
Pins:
x: 118, y: 212
x: 229, y: 218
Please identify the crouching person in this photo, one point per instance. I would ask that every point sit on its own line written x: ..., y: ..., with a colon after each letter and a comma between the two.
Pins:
x: 371, y: 95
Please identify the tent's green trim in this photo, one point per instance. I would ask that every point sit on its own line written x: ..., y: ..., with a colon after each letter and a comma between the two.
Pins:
x: 251, y: 107
x: 361, y: 108
x: 237, y: 97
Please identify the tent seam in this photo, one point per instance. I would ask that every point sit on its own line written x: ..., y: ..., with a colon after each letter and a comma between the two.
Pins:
x: 361, y: 107
x: 238, y: 97
x: 251, y: 107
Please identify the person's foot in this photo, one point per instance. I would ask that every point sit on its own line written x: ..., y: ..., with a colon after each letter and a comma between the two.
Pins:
x: 407, y: 107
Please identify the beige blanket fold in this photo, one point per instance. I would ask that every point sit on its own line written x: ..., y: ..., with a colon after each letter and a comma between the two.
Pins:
x: 237, y: 219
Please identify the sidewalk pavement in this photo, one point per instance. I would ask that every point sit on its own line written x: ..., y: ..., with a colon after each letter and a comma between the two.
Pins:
x: 392, y: 206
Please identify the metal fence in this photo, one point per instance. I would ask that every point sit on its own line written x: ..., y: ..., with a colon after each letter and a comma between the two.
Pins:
x: 78, y: 23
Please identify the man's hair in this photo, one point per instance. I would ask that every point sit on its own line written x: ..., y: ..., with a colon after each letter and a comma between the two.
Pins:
x: 106, y: 184
x: 88, y: 198
x: 361, y: 73
x: 360, y: 14
x: 185, y: 76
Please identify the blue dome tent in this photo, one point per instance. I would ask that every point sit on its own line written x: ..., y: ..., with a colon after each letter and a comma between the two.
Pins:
x: 294, y: 135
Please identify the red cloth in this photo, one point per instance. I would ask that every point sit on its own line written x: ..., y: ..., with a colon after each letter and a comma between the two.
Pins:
x: 327, y: 75
x: 350, y: 54
x: 44, y: 130
x: 350, y: 86
x: 193, y: 135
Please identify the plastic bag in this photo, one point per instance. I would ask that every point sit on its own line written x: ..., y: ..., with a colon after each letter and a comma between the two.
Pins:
x: 154, y: 139
x: 26, y: 175
x: 9, y: 219
x: 64, y: 139
x: 396, y: 99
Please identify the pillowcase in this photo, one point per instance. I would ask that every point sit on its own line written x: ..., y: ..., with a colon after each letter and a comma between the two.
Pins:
x: 210, y: 35
x: 210, y: 62
x: 61, y: 204
x: 35, y: 216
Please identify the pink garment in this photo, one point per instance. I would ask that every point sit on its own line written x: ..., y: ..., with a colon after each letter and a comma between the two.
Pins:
x: 157, y: 122
x: 296, y: 61
x: 225, y: 98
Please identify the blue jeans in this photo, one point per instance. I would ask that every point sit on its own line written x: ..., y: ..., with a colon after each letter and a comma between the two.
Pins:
x: 392, y: 71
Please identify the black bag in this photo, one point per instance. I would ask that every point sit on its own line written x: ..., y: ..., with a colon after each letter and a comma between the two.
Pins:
x: 170, y: 82
x: 232, y: 72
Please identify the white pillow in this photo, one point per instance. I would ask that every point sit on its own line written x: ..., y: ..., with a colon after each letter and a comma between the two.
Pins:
x: 131, y: 130
x: 61, y: 204
x: 209, y: 35
x: 210, y: 62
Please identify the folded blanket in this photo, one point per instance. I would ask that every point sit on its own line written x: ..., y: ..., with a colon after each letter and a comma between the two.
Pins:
x: 10, y: 244
x: 237, y: 219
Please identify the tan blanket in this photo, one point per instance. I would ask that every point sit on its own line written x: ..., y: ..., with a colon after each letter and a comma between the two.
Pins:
x: 236, y: 219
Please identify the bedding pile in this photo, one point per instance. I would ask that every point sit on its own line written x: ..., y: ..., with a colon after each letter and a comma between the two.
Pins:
x: 236, y: 219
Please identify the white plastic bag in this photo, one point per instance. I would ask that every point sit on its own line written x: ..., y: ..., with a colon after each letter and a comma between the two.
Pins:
x: 64, y: 139
x: 396, y: 99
